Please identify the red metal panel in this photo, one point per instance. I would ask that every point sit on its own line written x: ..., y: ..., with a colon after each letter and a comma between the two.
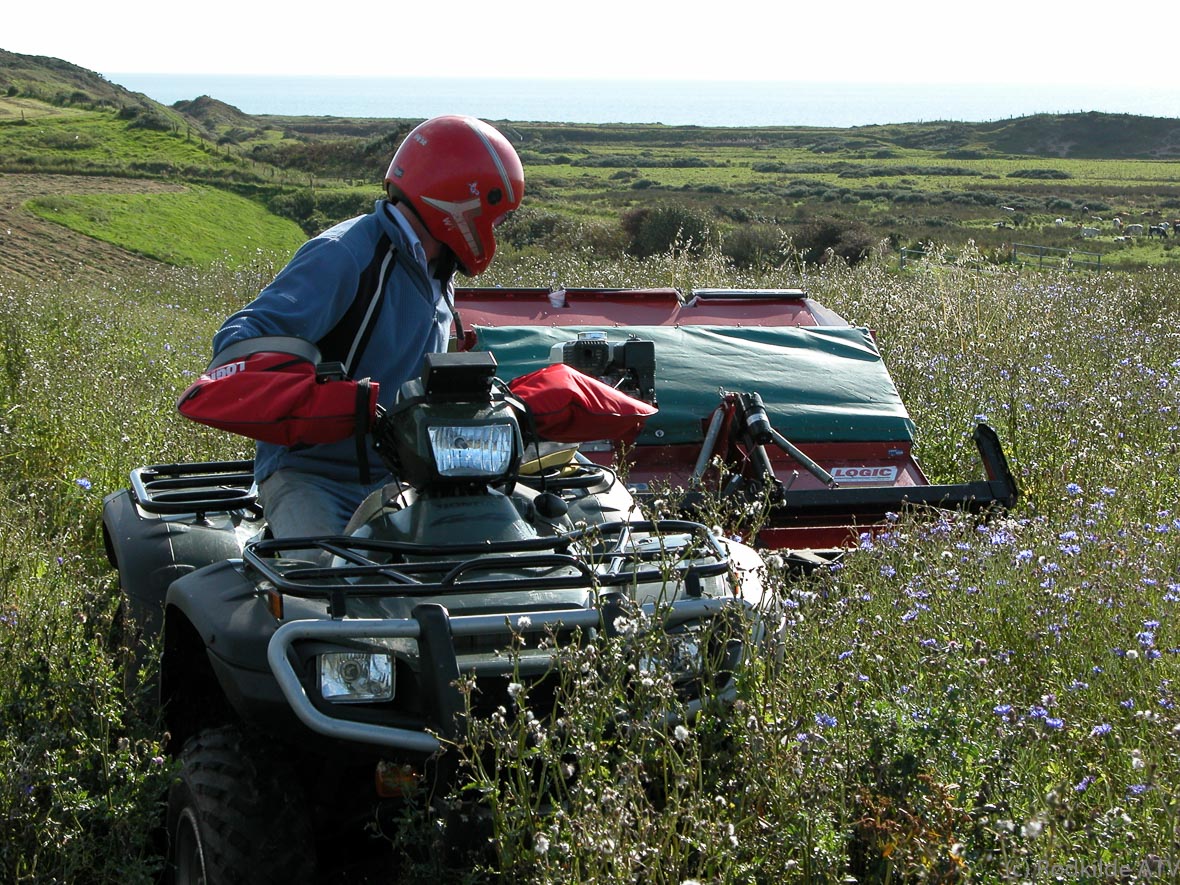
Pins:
x: 635, y: 307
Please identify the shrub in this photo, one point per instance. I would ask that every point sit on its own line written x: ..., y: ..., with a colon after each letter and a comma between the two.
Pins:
x: 849, y: 240
x: 562, y: 234
x: 1040, y: 174
x: 755, y: 246
x: 152, y: 120
x: 667, y: 229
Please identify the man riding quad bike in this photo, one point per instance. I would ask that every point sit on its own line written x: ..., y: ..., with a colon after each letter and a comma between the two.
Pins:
x: 306, y: 681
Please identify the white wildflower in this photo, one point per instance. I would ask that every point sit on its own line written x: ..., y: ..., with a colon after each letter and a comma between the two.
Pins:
x: 1033, y: 828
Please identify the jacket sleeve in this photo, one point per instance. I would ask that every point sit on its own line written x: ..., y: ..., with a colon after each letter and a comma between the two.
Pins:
x: 269, y: 389
x: 305, y: 300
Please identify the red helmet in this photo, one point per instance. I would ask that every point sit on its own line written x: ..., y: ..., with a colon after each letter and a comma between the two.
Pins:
x: 462, y: 178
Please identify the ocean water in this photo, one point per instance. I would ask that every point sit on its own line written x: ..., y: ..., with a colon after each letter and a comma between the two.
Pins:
x: 672, y: 102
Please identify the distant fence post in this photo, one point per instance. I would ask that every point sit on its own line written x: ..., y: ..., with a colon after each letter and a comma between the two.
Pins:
x: 905, y: 254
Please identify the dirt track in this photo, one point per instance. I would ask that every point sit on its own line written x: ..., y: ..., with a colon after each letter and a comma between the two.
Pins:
x: 40, y: 250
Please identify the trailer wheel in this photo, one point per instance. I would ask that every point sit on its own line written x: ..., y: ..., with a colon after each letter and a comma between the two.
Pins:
x: 236, y: 815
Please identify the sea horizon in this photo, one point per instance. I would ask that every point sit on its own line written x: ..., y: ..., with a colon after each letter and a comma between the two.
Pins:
x: 718, y: 103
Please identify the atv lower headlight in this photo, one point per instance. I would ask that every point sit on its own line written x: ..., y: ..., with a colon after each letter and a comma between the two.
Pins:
x: 480, y: 450
x: 356, y: 677
x: 684, y: 658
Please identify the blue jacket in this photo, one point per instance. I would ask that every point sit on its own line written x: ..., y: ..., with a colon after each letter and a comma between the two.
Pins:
x: 311, y: 295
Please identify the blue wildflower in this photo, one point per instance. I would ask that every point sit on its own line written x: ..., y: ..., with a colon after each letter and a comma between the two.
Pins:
x: 825, y: 720
x: 1054, y: 723
x: 1073, y: 488
x: 1100, y: 730
x: 83, y: 483
x: 1002, y: 709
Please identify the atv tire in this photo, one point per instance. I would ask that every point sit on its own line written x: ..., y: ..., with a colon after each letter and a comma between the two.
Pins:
x: 235, y: 814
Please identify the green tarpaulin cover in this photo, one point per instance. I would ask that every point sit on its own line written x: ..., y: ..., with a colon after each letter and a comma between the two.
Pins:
x: 819, y: 384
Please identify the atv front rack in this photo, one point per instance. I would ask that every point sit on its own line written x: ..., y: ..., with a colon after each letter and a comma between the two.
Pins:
x: 435, y: 630
x: 611, y: 555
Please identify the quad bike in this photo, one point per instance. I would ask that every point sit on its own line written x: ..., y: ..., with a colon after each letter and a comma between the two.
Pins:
x: 306, y: 681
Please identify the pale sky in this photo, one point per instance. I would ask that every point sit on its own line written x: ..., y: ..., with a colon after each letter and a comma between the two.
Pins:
x: 919, y: 41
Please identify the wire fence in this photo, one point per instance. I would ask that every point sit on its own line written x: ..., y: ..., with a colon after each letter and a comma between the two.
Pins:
x: 1025, y: 254
x: 1049, y: 257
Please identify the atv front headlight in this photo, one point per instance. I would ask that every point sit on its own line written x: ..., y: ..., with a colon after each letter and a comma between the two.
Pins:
x: 356, y: 677
x: 478, y: 450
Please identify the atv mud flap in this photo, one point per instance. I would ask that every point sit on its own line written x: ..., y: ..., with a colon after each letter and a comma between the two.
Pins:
x: 434, y: 630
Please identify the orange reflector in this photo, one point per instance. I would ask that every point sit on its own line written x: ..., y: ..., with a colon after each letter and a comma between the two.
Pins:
x: 395, y: 781
x: 274, y: 602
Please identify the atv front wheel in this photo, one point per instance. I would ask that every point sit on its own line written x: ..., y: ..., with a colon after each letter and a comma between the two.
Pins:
x: 236, y: 815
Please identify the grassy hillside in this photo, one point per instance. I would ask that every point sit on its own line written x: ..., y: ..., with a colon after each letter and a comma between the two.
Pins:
x: 760, y: 196
x: 193, y: 227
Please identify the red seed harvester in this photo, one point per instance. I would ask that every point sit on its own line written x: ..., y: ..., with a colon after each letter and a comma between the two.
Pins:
x: 760, y: 393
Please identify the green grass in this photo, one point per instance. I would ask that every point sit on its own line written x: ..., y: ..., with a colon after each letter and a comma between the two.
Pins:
x: 956, y: 702
x: 195, y: 227
x: 98, y: 142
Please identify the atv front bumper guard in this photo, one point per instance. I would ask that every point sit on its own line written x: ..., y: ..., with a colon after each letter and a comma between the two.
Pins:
x: 432, y: 627
x: 615, y: 558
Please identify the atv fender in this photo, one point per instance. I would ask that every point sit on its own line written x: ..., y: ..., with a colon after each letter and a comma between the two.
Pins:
x: 151, y: 550
x: 218, y: 625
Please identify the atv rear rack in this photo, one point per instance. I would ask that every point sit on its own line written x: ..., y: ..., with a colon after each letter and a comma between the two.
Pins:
x: 200, y: 488
x: 615, y: 554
